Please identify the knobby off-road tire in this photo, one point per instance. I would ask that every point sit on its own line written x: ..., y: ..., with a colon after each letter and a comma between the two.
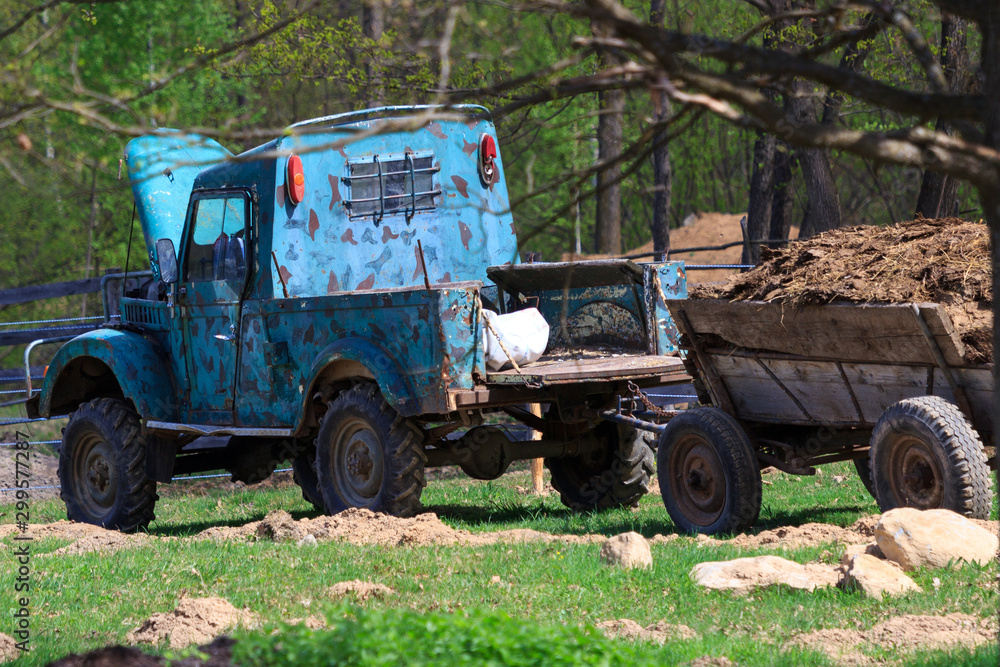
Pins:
x: 304, y: 474
x: 102, y: 467
x: 925, y: 454
x: 614, y: 475
x: 368, y: 456
x: 708, y: 473
x: 865, y: 473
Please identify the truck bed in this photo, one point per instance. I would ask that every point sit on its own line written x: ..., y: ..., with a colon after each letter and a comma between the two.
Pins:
x: 576, y: 365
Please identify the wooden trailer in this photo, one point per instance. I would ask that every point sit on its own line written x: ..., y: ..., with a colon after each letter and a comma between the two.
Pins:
x: 886, y: 386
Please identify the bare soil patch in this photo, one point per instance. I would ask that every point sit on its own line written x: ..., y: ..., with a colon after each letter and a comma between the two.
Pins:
x: 905, y: 633
x: 106, y: 542
x: 360, y: 590
x: 794, y: 537
x: 8, y: 648
x: 660, y: 632
x: 194, y: 621
x: 944, y: 261
x: 44, y: 471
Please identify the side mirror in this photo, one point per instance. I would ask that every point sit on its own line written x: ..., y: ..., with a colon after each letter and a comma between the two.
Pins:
x: 166, y: 259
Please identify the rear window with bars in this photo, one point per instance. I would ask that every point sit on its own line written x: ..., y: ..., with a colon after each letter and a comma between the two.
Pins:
x: 391, y: 184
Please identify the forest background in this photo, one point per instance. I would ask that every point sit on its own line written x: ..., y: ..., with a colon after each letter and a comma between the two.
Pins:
x: 591, y: 167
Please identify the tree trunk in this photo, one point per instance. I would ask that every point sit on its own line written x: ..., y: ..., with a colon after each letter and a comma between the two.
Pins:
x: 373, y: 20
x: 662, y: 173
x: 761, y: 195
x: 608, y: 225
x: 781, y: 201
x: 938, y: 192
x: 823, y: 211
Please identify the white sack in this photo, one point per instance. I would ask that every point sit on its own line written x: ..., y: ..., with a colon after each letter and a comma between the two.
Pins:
x: 525, y: 333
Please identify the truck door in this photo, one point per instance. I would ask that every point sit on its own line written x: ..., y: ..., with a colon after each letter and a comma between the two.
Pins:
x: 215, y: 269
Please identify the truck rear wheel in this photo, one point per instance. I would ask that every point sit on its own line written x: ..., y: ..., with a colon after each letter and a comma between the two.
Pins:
x: 925, y: 454
x: 368, y: 456
x: 864, y: 469
x: 102, y: 467
x: 615, y: 475
x: 708, y: 472
x: 304, y: 474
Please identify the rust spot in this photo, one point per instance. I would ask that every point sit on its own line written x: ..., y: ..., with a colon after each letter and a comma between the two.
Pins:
x: 348, y: 236
x: 416, y: 334
x: 462, y: 185
x: 448, y: 314
x: 286, y: 275
x: 435, y: 129
x: 468, y: 148
x: 457, y: 352
x: 387, y: 234
x: 309, y: 335
x: 472, y: 123
x: 420, y: 269
x: 314, y: 224
x: 334, y: 191
x: 342, y: 152
x: 466, y: 233
x: 367, y: 282
x: 446, y: 278
x: 333, y: 285
x: 512, y: 230
x: 279, y: 195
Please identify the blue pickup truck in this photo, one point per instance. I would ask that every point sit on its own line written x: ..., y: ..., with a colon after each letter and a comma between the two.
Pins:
x: 320, y: 299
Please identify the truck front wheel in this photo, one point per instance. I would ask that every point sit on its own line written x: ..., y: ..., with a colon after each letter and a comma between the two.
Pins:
x: 102, y: 467
x: 368, y: 456
x: 615, y: 475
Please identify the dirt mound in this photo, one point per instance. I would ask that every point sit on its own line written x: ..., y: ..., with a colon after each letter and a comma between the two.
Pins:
x: 68, y: 530
x: 794, y: 537
x: 901, y: 633
x: 8, y: 648
x: 106, y: 542
x: 44, y: 471
x: 660, y: 631
x: 110, y: 656
x: 944, y: 261
x: 194, y: 621
x: 361, y: 590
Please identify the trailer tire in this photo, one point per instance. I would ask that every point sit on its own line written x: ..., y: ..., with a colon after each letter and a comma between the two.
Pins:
x: 864, y: 469
x: 708, y: 473
x: 925, y: 454
x: 615, y: 475
x: 367, y: 456
x: 102, y: 467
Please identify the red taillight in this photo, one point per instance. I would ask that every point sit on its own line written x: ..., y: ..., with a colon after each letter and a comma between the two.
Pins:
x: 295, y: 182
x: 487, y: 155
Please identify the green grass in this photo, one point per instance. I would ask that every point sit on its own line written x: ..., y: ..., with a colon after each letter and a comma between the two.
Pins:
x: 87, y: 601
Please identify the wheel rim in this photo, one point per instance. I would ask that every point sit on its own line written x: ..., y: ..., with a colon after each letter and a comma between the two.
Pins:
x: 358, y: 462
x: 96, y: 476
x: 699, y: 480
x: 915, y: 475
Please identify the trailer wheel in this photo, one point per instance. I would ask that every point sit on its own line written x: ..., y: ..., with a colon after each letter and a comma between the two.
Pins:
x: 368, y: 456
x: 709, y: 475
x: 865, y: 473
x: 102, y: 467
x: 925, y: 454
x: 615, y: 475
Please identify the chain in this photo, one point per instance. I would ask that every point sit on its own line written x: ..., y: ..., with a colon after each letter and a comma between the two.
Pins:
x: 650, y: 406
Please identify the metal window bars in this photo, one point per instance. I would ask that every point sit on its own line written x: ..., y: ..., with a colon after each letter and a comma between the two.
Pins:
x: 384, y: 171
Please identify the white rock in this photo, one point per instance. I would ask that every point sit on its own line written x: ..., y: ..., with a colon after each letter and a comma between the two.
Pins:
x: 627, y: 550
x: 933, y: 538
x: 877, y: 577
x: 744, y: 574
x: 308, y: 541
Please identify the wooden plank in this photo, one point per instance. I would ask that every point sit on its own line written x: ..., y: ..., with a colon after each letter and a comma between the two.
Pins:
x: 18, y: 295
x: 846, y: 332
x: 596, y: 368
